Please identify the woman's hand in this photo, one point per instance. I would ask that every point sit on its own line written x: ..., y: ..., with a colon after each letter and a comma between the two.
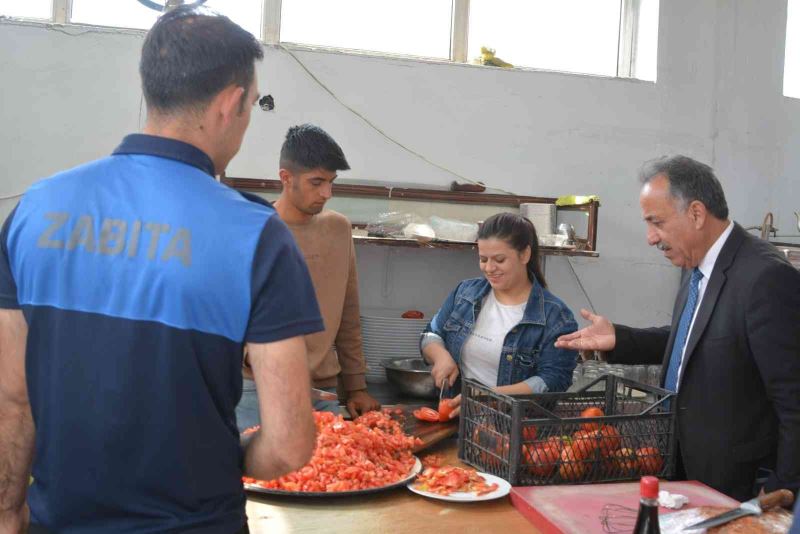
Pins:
x: 455, y: 405
x: 445, y: 370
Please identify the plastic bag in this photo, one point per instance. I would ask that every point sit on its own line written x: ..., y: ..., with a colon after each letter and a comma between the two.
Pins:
x: 392, y: 223
x: 454, y: 230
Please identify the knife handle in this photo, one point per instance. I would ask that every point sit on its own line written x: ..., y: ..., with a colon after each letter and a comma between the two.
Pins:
x: 782, y: 497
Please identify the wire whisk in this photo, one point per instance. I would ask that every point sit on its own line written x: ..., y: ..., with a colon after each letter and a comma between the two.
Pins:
x: 618, y: 519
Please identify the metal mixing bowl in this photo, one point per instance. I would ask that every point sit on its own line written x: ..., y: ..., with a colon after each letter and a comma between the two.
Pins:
x: 412, y: 376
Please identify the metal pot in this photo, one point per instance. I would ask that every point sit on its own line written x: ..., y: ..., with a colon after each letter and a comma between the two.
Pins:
x: 412, y: 376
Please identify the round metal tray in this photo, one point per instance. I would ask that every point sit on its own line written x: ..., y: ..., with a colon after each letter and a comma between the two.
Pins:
x: 400, y: 483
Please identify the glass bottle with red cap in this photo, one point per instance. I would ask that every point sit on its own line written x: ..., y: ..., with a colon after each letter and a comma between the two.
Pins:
x: 647, y: 520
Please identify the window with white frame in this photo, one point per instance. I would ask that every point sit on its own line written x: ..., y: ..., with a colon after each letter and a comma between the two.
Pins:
x: 134, y: 14
x: 34, y: 9
x: 791, y: 61
x: 605, y: 37
x: 602, y: 37
x: 568, y: 35
x: 407, y: 27
x: 130, y: 14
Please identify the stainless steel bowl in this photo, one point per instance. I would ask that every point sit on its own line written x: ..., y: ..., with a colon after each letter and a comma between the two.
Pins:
x: 412, y: 376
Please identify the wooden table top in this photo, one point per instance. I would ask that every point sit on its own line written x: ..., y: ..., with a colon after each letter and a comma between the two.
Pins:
x: 396, y: 511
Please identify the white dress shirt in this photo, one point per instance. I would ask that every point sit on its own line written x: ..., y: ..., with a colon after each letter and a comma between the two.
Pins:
x: 706, y: 267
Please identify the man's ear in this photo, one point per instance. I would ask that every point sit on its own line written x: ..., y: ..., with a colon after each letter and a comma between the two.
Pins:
x: 229, y: 102
x: 698, y: 213
x: 286, y: 177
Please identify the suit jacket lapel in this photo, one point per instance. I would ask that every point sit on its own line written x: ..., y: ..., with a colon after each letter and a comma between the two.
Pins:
x: 713, y: 289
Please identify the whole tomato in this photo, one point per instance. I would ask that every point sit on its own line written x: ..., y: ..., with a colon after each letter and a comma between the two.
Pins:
x: 542, y: 458
x: 592, y: 411
x: 572, y: 466
x: 608, y: 440
x: 625, y: 461
x: 529, y: 433
x: 650, y: 460
x: 413, y: 314
x: 575, y: 453
x: 585, y: 442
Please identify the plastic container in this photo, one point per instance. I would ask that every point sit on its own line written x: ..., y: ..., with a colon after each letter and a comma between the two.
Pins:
x: 542, y: 439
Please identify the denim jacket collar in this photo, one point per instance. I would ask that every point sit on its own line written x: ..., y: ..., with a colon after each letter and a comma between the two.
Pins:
x: 534, y: 309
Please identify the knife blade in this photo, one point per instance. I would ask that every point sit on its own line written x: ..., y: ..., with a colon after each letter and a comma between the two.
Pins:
x: 319, y: 394
x: 752, y: 507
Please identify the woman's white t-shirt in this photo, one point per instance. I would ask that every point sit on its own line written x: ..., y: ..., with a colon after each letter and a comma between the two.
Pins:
x: 480, y: 356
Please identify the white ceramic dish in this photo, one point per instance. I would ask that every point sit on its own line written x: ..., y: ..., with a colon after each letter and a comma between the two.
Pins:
x: 503, y: 489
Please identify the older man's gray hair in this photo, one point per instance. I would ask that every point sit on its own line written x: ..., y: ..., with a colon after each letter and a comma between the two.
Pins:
x: 689, y: 180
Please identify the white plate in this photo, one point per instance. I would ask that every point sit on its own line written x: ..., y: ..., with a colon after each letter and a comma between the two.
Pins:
x: 503, y: 489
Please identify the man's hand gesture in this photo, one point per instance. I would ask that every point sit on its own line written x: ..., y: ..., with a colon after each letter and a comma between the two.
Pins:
x: 599, y: 335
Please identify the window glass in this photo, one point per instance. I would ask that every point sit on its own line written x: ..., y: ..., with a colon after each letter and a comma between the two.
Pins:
x: 132, y: 14
x: 408, y: 27
x: 644, y: 65
x: 35, y: 9
x: 565, y: 35
x: 791, y: 61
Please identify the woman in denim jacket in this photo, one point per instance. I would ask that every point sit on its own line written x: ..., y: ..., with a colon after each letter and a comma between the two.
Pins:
x: 500, y: 329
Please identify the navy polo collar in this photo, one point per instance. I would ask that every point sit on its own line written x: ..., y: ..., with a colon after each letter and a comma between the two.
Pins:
x: 165, y: 147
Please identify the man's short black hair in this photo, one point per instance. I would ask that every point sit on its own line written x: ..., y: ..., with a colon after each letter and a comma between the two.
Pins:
x: 191, y: 54
x: 689, y: 180
x: 309, y: 147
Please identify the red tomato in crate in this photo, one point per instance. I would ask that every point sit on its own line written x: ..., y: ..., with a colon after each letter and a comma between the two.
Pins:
x: 542, y: 458
x: 413, y: 314
x: 584, y: 442
x: 593, y: 411
x: 625, y: 461
x: 650, y: 460
x: 608, y: 439
x: 572, y: 467
x: 529, y: 433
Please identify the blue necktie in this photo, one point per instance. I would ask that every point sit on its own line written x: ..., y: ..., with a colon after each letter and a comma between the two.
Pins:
x: 671, y: 381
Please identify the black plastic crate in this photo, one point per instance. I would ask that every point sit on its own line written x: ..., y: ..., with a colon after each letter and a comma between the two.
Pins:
x: 542, y: 439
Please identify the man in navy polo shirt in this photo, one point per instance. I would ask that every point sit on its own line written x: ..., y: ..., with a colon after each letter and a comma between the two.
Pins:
x: 128, y: 288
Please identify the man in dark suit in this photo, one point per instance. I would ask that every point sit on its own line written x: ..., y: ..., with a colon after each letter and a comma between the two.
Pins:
x: 732, y: 353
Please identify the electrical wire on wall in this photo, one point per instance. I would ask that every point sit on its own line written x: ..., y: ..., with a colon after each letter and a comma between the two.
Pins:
x: 417, y: 154
x: 580, y: 284
x: 378, y: 129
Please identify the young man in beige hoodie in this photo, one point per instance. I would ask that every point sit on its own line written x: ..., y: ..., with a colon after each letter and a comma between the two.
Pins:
x: 309, y: 161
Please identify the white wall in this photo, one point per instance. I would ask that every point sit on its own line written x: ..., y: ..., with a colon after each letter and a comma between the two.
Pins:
x: 70, y: 98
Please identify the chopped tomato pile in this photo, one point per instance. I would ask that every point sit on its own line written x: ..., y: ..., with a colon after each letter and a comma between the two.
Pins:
x: 446, y: 480
x: 370, y: 452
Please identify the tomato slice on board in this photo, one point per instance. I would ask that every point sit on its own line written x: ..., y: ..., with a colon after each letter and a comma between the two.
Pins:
x: 426, y: 414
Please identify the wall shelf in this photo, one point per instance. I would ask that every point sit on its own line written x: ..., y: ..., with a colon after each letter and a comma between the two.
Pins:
x: 450, y: 245
x: 589, y: 248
